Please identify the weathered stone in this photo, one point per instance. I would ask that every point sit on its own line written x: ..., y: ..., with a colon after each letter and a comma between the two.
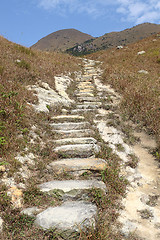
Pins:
x: 92, y: 103
x: 70, y: 126
x: 83, y: 110
x: 68, y: 118
x: 86, y: 106
x: 75, y: 133
x: 89, y: 99
x: 143, y: 72
x: 1, y: 224
x: 47, y: 97
x: 16, y: 196
x: 77, y: 150
x: 69, y: 185
x: 85, y: 90
x: 76, y: 141
x: 141, y: 52
x: 87, y: 78
x: 85, y: 94
x: 2, y: 168
x: 71, y: 216
x: 78, y: 164
x: 31, y: 211
x: 86, y: 86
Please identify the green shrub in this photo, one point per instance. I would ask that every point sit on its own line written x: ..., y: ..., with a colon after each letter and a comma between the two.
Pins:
x: 24, y: 64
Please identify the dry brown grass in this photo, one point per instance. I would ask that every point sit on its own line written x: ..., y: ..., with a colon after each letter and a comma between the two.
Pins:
x: 141, y: 92
x: 20, y: 66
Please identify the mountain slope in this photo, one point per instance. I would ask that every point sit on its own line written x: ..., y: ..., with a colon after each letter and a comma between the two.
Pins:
x: 114, y: 39
x: 134, y: 71
x: 62, y: 40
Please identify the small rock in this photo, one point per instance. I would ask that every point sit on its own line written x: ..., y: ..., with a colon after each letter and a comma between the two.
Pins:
x: 141, y: 52
x: 143, y: 71
x: 119, y: 47
x: 16, y: 196
x: 128, y: 227
x: 2, y: 169
x: 1, y: 224
x: 31, y: 211
x: 18, y: 61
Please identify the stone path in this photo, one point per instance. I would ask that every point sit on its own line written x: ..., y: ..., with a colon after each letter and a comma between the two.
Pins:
x: 76, y: 146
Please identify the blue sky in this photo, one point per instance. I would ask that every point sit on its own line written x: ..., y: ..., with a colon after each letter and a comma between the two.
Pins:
x: 27, y: 21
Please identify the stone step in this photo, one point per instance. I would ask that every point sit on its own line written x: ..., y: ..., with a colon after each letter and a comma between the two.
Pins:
x: 89, y: 67
x: 70, y: 126
x: 77, y: 150
x: 85, y: 94
x: 68, y: 118
x: 70, y: 185
x: 71, y: 216
x: 78, y: 165
x: 89, y: 99
x: 74, y: 133
x: 86, y: 91
x: 86, y: 87
x: 85, y: 78
x: 83, y: 110
x: 85, y: 83
x: 66, y: 141
x: 90, y: 71
x: 87, y: 106
x: 91, y: 103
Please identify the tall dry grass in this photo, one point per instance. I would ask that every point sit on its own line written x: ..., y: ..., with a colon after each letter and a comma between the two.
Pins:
x: 20, y: 66
x: 141, y: 92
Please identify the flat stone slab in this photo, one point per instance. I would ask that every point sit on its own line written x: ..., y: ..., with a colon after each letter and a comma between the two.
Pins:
x: 71, y: 216
x: 69, y: 185
x: 89, y: 99
x: 1, y: 224
x: 77, y: 150
x: 75, y: 141
x: 32, y: 211
x: 74, y: 133
x: 70, y: 126
x: 86, y: 90
x: 91, y: 103
x: 87, y: 78
x: 83, y: 110
x: 86, y: 106
x: 68, y: 118
x: 84, y: 94
x: 84, y: 84
x: 78, y: 164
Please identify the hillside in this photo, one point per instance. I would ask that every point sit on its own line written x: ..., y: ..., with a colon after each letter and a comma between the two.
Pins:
x: 20, y: 67
x: 113, y: 39
x: 61, y: 40
x: 134, y: 71
x: 78, y: 156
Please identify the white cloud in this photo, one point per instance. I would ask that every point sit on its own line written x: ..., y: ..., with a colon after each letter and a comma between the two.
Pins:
x: 136, y: 11
x: 139, y: 11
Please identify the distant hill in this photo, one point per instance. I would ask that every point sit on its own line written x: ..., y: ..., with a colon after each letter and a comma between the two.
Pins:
x: 114, y: 39
x: 62, y: 40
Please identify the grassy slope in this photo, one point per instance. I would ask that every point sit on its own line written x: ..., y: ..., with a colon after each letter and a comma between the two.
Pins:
x: 141, y: 92
x: 15, y: 117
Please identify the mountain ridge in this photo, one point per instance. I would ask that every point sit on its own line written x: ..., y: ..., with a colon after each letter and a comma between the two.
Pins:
x: 76, y: 43
x: 61, y: 40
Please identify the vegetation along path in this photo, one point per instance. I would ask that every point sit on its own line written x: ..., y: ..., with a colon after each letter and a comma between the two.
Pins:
x: 104, y: 182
